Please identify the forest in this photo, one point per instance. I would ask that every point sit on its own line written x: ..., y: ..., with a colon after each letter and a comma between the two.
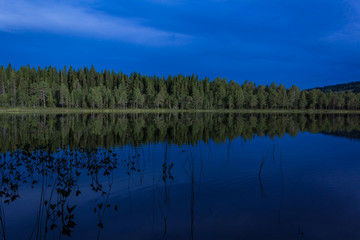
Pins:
x: 87, y: 88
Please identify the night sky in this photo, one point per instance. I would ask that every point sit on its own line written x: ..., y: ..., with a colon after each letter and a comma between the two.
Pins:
x: 304, y: 42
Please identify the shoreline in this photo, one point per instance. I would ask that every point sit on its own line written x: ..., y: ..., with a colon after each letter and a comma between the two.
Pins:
x: 131, y: 110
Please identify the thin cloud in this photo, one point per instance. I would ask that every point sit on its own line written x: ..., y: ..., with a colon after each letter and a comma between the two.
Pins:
x: 167, y: 2
x: 350, y: 33
x: 69, y: 19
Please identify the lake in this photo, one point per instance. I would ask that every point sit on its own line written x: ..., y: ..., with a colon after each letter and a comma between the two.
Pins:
x: 180, y: 176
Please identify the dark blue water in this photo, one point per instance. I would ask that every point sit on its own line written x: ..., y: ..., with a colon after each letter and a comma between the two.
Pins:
x: 282, y: 187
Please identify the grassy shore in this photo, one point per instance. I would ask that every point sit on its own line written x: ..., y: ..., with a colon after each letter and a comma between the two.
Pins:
x: 131, y: 110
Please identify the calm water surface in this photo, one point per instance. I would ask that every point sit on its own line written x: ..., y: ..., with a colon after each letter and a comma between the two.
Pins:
x: 180, y: 176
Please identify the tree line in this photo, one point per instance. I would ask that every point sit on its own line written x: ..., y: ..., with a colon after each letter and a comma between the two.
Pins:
x: 87, y: 88
x: 90, y: 131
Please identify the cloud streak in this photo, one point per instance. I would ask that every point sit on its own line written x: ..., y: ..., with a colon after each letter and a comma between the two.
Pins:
x: 75, y: 20
x: 350, y: 33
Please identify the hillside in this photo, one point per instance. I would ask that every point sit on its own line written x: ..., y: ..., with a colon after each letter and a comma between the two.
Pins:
x: 345, y: 87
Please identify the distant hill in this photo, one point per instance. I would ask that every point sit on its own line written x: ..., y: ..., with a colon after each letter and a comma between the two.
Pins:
x: 345, y: 87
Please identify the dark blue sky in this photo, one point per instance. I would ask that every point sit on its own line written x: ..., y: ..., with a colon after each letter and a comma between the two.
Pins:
x: 304, y: 42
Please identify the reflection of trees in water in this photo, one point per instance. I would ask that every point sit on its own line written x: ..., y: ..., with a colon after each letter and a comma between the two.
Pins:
x: 91, y: 131
x: 263, y: 160
x: 164, y: 183
x: 282, y: 187
x: 57, y: 175
x: 162, y: 186
x: 264, y: 157
x: 189, y: 167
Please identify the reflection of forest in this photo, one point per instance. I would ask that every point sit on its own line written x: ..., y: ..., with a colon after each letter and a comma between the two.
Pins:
x: 91, y: 131
x: 355, y: 134
x: 57, y: 175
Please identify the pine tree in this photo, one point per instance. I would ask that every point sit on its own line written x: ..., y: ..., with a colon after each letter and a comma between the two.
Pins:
x: 273, y: 96
x: 262, y: 97
x: 253, y: 101
x: 302, y: 101
x: 64, y: 96
x: 137, y: 99
x: 42, y: 92
x: 293, y: 95
x: 95, y: 97
x: 121, y: 96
